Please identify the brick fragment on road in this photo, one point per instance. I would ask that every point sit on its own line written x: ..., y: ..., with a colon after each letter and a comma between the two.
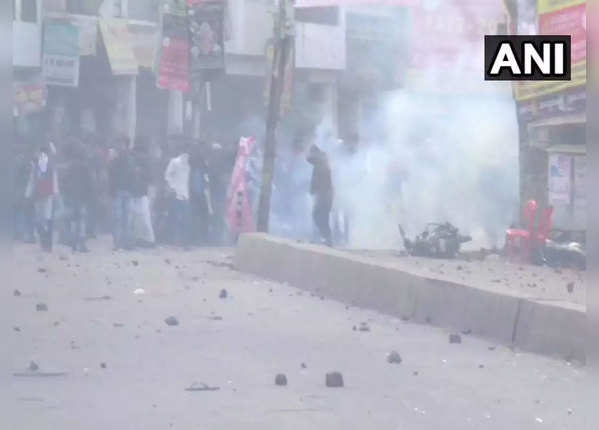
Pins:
x: 171, y: 321
x: 281, y: 380
x: 394, y: 357
x: 334, y: 380
x: 455, y: 338
x: 41, y: 307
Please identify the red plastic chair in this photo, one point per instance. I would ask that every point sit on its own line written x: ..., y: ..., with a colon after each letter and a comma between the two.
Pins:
x: 545, y: 226
x: 518, y: 241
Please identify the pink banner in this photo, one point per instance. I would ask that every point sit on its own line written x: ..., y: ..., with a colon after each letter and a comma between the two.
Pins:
x: 441, y: 34
x: 239, y: 211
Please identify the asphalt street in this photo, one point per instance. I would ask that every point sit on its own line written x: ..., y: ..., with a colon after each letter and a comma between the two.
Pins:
x: 107, y: 360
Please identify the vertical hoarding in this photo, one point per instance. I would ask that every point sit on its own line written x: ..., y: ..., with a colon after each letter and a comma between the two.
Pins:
x: 60, y: 64
x: 173, y: 64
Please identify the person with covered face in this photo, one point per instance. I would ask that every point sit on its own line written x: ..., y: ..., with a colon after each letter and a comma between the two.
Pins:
x: 321, y: 188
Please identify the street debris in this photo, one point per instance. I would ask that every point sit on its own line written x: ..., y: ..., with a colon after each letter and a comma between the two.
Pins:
x: 171, y: 321
x: 17, y: 293
x: 334, y: 380
x: 41, y: 307
x: 33, y: 366
x: 103, y: 365
x: 135, y: 263
x: 215, y: 318
x: 42, y: 270
x: 15, y: 328
x: 570, y: 287
x: 303, y: 366
x: 200, y: 386
x: 223, y: 294
x: 281, y: 380
x: 438, y: 240
x: 467, y: 332
x: 33, y: 371
x: 364, y: 326
x: 139, y: 292
x: 118, y: 325
x: 98, y: 299
x: 455, y: 338
x: 394, y: 357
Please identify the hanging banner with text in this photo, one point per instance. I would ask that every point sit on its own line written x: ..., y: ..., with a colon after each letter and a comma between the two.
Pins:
x: 206, y: 20
x: 60, y: 65
x: 173, y: 65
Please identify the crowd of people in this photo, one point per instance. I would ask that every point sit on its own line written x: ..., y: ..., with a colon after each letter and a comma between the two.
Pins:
x: 142, y: 192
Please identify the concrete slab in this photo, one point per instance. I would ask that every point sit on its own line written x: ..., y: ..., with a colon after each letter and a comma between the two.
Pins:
x: 507, y: 317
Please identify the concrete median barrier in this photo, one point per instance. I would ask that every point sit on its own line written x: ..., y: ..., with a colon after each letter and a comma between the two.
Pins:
x: 542, y: 327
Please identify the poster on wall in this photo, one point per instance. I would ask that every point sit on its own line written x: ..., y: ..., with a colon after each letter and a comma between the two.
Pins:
x: 29, y: 96
x: 559, y: 178
x: 580, y: 201
x: 206, y: 19
x: 173, y: 64
x: 60, y: 63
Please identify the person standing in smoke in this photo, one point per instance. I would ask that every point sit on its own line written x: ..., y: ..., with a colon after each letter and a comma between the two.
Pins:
x: 121, y: 176
x: 177, y: 176
x: 321, y: 188
x: 77, y: 187
x: 42, y: 189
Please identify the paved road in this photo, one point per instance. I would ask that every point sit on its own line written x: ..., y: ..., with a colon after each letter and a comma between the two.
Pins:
x: 239, y: 344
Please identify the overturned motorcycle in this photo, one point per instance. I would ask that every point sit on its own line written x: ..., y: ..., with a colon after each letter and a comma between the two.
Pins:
x: 438, y: 240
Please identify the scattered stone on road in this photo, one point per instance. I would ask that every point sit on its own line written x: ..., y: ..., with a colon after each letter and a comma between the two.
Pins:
x: 223, y: 294
x: 172, y: 321
x: 41, y: 307
x: 103, y: 365
x: 33, y: 366
x: 42, y: 270
x: 118, y: 325
x: 394, y: 357
x: 200, y: 386
x: 455, y: 338
x: 281, y: 380
x: 334, y: 380
x: 135, y: 262
x: 570, y: 287
x: 17, y: 293
x: 491, y: 348
x: 303, y: 365
x: 467, y: 332
x: 15, y: 328
x: 364, y: 326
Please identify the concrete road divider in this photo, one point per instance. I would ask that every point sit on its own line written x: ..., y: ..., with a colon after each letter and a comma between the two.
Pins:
x: 551, y: 328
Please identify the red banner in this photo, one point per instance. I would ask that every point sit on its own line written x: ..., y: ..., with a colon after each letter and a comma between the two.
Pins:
x: 173, y: 68
x: 572, y: 21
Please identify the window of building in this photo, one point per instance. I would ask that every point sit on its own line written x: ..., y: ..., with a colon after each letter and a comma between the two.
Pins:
x: 318, y: 15
x: 29, y: 10
x: 84, y: 7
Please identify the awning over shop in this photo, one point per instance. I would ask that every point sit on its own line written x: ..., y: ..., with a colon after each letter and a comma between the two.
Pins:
x: 119, y: 47
x: 579, y: 118
x: 540, y: 132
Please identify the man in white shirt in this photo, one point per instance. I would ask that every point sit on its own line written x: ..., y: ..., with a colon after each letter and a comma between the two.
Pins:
x: 177, y: 181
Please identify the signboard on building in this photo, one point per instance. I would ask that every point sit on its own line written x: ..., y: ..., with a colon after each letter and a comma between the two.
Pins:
x: 88, y: 30
x: 560, y: 17
x: 30, y: 97
x: 206, y: 20
x: 118, y: 46
x: 144, y: 41
x: 61, y: 54
x: 173, y: 65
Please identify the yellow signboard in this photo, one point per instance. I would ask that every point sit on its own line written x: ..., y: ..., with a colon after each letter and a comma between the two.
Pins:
x: 525, y: 90
x: 118, y: 46
x: 546, y: 6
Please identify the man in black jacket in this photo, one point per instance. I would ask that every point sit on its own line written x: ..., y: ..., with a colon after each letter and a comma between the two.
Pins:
x: 77, y: 186
x: 321, y: 188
